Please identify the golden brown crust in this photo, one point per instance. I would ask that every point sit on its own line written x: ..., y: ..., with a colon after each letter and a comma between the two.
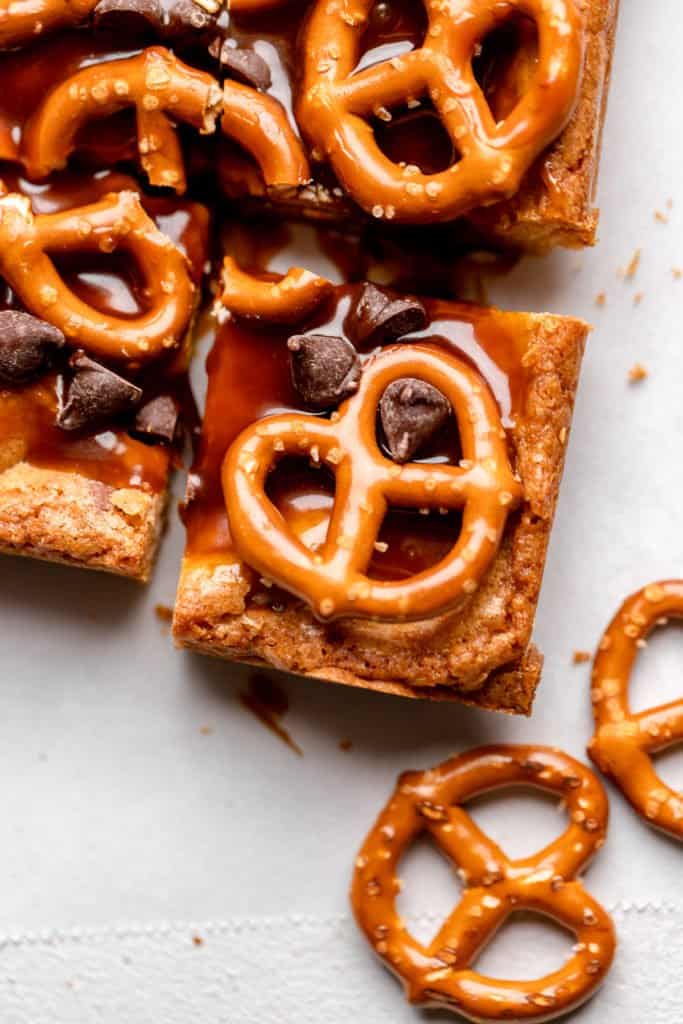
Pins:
x: 66, y: 517
x: 554, y: 206
x: 481, y: 654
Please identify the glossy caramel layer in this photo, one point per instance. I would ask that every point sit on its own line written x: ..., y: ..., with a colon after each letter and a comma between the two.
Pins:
x: 249, y: 378
x: 27, y: 415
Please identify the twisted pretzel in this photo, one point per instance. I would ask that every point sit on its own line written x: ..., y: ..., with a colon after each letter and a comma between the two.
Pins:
x: 115, y: 223
x: 335, y: 103
x: 155, y: 82
x: 496, y: 886
x: 624, y: 742
x: 285, y: 301
x: 333, y: 580
x: 163, y: 90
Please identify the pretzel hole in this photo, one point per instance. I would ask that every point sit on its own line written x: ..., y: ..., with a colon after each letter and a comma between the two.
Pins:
x: 521, y: 820
x: 430, y: 890
x: 656, y: 676
x: 416, y: 137
x: 107, y: 282
x: 410, y: 542
x: 104, y: 141
x: 505, y: 63
x: 304, y: 496
x: 528, y: 945
x: 393, y: 27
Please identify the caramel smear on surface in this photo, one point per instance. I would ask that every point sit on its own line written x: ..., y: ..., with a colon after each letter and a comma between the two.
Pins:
x: 268, y: 702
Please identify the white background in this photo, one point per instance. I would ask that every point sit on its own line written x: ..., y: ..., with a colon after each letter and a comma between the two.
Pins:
x: 126, y: 830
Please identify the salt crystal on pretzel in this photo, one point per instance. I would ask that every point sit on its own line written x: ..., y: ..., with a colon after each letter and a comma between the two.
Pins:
x: 625, y: 741
x: 441, y: 973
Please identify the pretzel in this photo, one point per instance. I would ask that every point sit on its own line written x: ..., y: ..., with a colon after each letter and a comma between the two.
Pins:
x: 335, y: 102
x: 155, y: 82
x: 285, y: 301
x: 163, y: 90
x: 22, y: 20
x: 624, y: 742
x: 441, y: 973
x: 333, y: 580
x: 116, y: 222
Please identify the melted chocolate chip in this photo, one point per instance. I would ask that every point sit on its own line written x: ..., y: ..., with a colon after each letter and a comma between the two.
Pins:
x: 129, y: 16
x: 183, y: 17
x: 244, y: 65
x: 95, y: 395
x: 27, y: 347
x: 378, y: 318
x: 157, y: 420
x: 325, y: 369
x: 411, y: 411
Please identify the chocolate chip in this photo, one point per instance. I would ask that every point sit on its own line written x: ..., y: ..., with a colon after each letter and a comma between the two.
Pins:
x: 378, y: 318
x: 129, y: 16
x: 244, y: 65
x: 411, y: 411
x: 184, y: 17
x: 27, y: 346
x: 157, y: 420
x: 95, y: 395
x: 325, y: 369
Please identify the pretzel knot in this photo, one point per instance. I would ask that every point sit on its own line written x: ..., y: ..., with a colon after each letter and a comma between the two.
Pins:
x: 333, y: 579
x: 495, y: 886
x: 624, y: 742
x: 336, y: 102
x: 163, y: 90
x: 117, y: 223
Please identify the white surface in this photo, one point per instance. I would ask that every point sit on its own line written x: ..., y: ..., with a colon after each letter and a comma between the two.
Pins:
x: 120, y: 818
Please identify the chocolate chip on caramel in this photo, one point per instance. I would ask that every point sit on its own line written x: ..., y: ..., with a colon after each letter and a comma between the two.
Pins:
x: 244, y: 65
x: 184, y: 17
x: 411, y: 411
x: 95, y: 395
x: 157, y: 420
x: 378, y: 318
x: 325, y: 369
x: 27, y: 347
x: 128, y: 15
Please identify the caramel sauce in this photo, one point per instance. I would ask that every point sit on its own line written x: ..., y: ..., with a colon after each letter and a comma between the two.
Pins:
x: 249, y: 363
x: 27, y: 415
x: 268, y: 702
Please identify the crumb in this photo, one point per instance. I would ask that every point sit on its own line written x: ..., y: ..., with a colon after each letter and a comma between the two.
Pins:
x: 581, y: 657
x: 206, y: 730
x: 660, y: 217
x: 345, y: 745
x: 669, y: 204
x: 197, y: 940
x: 163, y: 612
x: 600, y: 299
x: 677, y: 273
x: 632, y: 268
x: 637, y: 373
x: 638, y: 298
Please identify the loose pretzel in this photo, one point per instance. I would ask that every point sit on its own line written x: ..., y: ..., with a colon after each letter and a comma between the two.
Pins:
x: 333, y: 580
x: 155, y: 82
x: 163, y: 90
x: 440, y: 973
x: 335, y: 102
x: 115, y: 223
x: 624, y: 742
x: 286, y: 301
